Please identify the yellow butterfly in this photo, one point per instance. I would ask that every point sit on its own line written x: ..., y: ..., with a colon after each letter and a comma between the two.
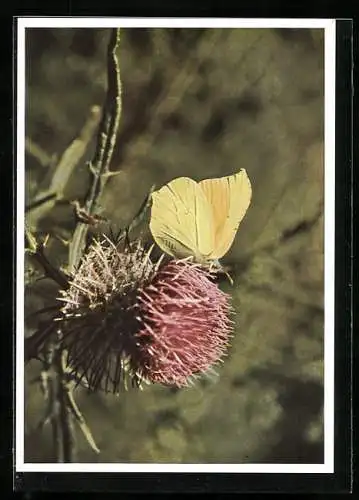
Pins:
x: 199, y: 218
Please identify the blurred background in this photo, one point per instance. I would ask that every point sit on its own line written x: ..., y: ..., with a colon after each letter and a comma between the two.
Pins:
x: 200, y: 103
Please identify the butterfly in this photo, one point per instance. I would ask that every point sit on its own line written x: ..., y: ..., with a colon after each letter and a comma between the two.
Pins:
x: 199, y: 219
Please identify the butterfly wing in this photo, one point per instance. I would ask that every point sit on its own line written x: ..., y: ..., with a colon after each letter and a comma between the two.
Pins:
x: 181, y: 219
x: 229, y: 198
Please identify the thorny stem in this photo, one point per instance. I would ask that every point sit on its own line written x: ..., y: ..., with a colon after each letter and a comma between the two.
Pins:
x: 37, y: 251
x: 62, y: 410
x: 105, y: 145
x: 62, y: 425
x: 99, y: 167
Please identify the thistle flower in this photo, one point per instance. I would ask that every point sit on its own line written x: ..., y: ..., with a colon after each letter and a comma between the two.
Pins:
x: 125, y: 316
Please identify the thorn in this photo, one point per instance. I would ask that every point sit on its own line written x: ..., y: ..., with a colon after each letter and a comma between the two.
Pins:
x: 33, y: 245
x: 46, y: 240
x: 84, y: 216
x: 148, y: 254
x: 111, y: 174
x: 159, y: 262
x: 92, y: 169
x: 67, y: 301
x: 62, y: 240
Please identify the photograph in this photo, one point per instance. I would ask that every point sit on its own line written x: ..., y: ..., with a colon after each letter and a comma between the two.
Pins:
x: 175, y: 245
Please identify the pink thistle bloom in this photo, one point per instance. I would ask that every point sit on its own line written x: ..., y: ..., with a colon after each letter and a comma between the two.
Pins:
x: 127, y: 317
x: 186, y: 325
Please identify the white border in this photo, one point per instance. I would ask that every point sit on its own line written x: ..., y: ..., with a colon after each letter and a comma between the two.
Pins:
x: 168, y: 22
x: 61, y: 22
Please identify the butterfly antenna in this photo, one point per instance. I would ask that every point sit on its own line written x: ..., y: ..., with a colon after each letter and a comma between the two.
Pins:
x: 216, y: 265
x: 229, y: 278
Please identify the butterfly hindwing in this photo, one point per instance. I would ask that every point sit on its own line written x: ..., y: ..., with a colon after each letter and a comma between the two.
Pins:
x: 229, y: 198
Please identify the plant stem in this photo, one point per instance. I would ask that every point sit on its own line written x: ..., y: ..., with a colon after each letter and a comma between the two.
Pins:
x: 99, y: 168
x: 62, y: 410
x: 36, y: 249
x: 105, y: 145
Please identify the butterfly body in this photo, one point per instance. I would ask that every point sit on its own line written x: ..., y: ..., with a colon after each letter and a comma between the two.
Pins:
x: 199, y: 219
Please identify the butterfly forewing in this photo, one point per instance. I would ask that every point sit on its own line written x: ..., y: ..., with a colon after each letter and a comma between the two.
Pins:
x: 181, y: 219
